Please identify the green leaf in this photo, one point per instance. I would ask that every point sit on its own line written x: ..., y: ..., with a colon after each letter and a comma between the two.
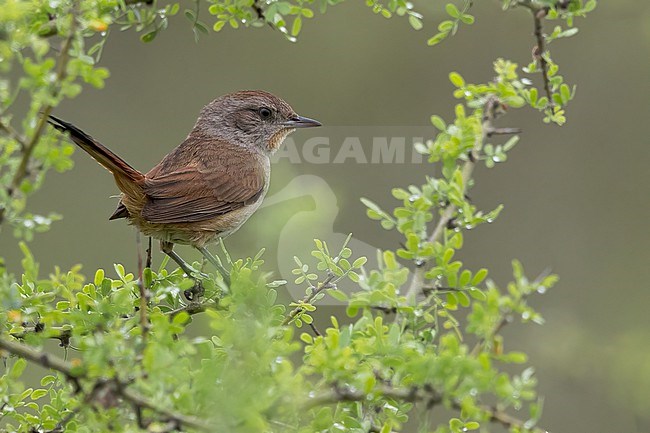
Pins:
x: 415, y: 22
x: 46, y: 380
x: 18, y: 368
x: 437, y: 38
x: 467, y: 19
x: 359, y: 262
x: 148, y: 37
x: 452, y: 10
x: 479, y: 276
x: 38, y: 393
x: 297, y: 25
x: 337, y: 294
x: 455, y: 425
x: 565, y: 92
x: 438, y: 122
x: 456, y: 79
x: 99, y: 277
x: 465, y: 278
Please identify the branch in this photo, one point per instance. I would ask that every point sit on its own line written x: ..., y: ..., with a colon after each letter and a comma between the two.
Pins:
x: 41, y: 358
x: 468, y: 168
x: 64, y: 335
x: 341, y: 394
x: 118, y: 389
x: 144, y: 293
x: 29, y: 146
x: 64, y: 57
x: 195, y: 308
x: 539, y: 13
x: 54, y: 332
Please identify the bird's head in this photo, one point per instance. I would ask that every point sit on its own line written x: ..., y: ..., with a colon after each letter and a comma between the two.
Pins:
x: 251, y: 118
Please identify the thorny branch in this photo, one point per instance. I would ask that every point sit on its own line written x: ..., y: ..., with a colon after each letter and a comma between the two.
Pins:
x: 103, y: 390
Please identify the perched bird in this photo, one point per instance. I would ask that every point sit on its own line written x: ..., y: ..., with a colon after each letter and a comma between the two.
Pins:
x: 209, y: 185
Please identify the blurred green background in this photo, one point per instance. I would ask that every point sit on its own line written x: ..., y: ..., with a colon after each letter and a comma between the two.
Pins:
x: 576, y: 198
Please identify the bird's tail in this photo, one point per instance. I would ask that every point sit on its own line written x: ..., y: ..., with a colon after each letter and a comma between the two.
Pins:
x: 101, y: 154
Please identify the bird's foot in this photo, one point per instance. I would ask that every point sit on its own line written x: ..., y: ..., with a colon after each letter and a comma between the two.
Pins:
x: 196, y: 291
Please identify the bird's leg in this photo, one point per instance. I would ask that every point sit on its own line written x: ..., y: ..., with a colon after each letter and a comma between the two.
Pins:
x: 216, y: 262
x: 168, y: 248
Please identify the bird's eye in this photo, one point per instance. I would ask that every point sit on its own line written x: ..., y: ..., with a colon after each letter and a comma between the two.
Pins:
x: 265, y: 113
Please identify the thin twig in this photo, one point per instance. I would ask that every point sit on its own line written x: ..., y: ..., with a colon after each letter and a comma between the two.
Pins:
x: 144, y: 293
x: 539, y: 13
x: 314, y: 330
x: 326, y: 284
x: 148, y: 261
x: 503, y: 131
x: 195, y: 307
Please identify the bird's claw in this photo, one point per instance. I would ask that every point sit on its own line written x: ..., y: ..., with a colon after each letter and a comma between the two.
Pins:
x: 195, y: 292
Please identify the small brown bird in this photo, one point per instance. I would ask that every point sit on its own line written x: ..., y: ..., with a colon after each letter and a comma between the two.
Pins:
x: 208, y: 186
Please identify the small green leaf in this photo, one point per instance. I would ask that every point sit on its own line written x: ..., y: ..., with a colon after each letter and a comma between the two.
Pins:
x: 297, y: 25
x: 452, y: 10
x: 337, y: 294
x: 436, y: 39
x: 438, y: 122
x: 18, y: 368
x: 456, y: 79
x: 415, y: 22
x: 359, y: 262
x: 148, y: 37
x: 467, y: 19
x: 38, y: 393
x: 479, y: 276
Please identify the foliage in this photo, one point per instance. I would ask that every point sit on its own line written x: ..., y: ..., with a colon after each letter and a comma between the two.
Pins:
x: 422, y: 330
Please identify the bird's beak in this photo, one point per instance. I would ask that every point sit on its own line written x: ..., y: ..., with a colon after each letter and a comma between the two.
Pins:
x: 301, y: 122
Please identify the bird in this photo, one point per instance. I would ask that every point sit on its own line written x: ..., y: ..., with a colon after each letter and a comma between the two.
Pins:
x: 209, y: 185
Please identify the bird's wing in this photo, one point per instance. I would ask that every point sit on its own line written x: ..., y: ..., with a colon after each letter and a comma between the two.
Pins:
x: 203, y: 190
